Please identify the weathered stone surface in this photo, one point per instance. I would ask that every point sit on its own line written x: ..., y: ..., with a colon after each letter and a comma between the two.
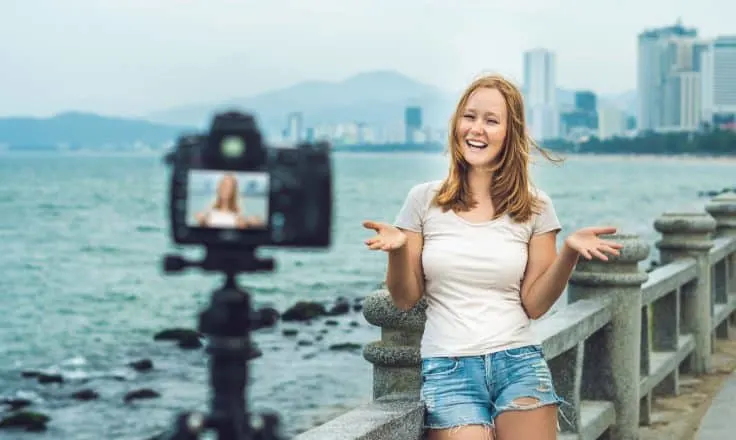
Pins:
x: 723, y: 209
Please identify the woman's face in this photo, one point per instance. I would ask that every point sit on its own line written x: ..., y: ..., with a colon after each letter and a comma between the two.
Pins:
x: 481, y: 128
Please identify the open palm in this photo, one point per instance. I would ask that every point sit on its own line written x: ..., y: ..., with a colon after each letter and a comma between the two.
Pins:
x: 587, y: 243
x: 387, y: 237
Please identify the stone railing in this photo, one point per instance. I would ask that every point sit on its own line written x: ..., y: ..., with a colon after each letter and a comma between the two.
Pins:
x: 625, y: 335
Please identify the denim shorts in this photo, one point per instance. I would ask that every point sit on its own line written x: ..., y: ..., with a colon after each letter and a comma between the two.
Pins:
x: 473, y: 390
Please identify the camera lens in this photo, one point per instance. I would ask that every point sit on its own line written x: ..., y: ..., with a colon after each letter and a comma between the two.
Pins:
x: 232, y: 146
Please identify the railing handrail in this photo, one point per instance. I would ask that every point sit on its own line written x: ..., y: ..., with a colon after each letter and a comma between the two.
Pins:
x: 623, y: 338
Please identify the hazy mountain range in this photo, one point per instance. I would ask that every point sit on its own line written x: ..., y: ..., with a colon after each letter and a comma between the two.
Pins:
x: 375, y: 98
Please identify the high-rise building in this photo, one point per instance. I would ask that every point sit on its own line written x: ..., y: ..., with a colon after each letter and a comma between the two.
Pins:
x: 611, y: 123
x: 412, y: 123
x: 718, y: 85
x: 540, y: 82
x: 585, y: 101
x: 295, y: 127
x: 669, y: 79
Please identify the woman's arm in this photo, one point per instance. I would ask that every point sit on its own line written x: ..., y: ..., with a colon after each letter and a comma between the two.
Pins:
x: 404, y: 276
x: 548, y: 272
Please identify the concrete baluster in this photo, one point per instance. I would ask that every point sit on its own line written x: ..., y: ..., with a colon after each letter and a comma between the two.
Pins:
x: 689, y: 235
x: 612, y: 356
x: 395, y: 358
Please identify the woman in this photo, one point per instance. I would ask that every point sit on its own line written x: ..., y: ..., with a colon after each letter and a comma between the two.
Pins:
x: 225, y: 211
x: 481, y: 246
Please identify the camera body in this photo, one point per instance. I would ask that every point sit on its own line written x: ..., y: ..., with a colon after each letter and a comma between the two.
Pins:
x: 229, y: 189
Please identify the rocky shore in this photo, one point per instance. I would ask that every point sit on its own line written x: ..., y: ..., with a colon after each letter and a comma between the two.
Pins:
x: 18, y: 413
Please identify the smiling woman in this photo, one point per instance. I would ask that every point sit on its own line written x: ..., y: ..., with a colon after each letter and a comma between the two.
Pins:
x: 480, y: 245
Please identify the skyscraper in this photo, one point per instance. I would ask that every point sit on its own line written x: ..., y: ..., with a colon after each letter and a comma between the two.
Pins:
x: 540, y: 81
x: 666, y: 60
x: 412, y: 123
x: 719, y: 79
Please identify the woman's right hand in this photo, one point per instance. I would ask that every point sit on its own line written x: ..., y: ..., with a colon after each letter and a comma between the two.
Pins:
x: 387, y: 238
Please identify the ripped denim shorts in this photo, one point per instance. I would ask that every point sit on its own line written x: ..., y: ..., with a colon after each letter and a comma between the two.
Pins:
x: 474, y: 390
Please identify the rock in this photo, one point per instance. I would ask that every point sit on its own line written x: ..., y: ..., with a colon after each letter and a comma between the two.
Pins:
x: 50, y: 378
x: 143, y: 393
x: 176, y: 334
x: 28, y: 420
x: 357, y: 307
x: 30, y: 373
x: 304, y: 311
x: 290, y: 332
x: 346, y: 346
x: 341, y: 307
x: 141, y: 365
x: 267, y: 317
x: 304, y: 343
x: 15, y: 403
x: 331, y: 322
x: 190, y: 342
x: 354, y: 324
x: 86, y: 394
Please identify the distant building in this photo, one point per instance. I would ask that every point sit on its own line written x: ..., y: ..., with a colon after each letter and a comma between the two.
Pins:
x: 585, y: 101
x: 718, y: 85
x: 540, y: 84
x: 612, y: 122
x: 294, y: 127
x: 668, y: 78
x: 412, y: 124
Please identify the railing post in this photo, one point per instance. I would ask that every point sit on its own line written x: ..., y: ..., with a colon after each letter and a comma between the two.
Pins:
x: 723, y: 209
x: 690, y: 235
x: 395, y: 358
x: 611, y: 361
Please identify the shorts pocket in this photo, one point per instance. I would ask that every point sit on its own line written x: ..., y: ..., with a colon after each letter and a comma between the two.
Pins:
x: 526, y: 352
x: 439, y: 366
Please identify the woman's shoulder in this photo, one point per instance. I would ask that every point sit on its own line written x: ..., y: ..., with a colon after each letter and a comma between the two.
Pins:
x: 540, y: 195
x: 423, y: 193
x: 425, y: 189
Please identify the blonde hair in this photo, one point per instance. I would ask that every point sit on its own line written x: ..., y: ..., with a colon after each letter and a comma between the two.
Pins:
x: 511, y: 183
x: 233, y: 202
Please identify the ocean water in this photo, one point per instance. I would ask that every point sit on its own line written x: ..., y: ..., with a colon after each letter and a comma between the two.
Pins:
x: 82, y: 292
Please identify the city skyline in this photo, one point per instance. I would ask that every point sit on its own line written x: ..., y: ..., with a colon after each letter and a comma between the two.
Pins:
x: 122, y: 59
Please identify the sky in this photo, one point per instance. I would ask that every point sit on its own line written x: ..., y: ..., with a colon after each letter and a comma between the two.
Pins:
x: 134, y: 57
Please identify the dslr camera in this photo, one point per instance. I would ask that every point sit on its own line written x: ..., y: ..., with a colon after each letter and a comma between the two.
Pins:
x: 231, y: 190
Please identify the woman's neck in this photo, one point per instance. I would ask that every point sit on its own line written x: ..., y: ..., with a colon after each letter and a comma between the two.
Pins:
x: 479, y: 183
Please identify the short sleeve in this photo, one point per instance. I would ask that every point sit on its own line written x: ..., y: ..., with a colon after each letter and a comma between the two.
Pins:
x: 411, y: 214
x: 546, y: 220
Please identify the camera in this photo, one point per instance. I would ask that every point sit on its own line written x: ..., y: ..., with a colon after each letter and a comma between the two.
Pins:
x: 232, y: 193
x: 230, y: 189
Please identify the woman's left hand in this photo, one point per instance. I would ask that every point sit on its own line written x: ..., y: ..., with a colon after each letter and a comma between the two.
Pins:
x: 587, y: 243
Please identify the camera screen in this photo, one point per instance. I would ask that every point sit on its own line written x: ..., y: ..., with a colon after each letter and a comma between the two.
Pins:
x: 227, y: 199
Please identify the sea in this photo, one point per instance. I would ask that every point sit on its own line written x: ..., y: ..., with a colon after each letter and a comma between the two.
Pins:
x: 82, y: 291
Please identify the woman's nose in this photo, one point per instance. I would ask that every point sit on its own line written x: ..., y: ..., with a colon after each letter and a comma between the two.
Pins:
x: 476, y: 128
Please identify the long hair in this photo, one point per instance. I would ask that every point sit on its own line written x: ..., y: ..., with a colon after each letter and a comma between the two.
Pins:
x: 511, y: 183
x: 233, y: 202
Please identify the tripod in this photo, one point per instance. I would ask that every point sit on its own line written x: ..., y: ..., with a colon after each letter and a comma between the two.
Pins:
x: 227, y: 322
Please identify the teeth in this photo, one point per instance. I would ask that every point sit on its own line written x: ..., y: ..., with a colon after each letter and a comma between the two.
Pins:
x: 476, y: 144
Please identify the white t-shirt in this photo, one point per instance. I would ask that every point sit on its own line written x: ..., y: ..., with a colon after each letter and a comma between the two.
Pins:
x: 221, y: 219
x: 473, y: 274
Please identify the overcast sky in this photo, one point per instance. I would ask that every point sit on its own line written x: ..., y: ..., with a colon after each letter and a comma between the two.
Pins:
x: 131, y: 57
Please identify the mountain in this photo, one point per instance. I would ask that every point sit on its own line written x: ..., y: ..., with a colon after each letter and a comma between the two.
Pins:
x: 374, y: 98
x: 76, y: 130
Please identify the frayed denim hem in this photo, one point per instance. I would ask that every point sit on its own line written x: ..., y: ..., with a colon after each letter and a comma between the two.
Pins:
x: 489, y: 428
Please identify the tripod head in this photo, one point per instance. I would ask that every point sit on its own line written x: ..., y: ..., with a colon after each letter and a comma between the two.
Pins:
x: 227, y: 322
